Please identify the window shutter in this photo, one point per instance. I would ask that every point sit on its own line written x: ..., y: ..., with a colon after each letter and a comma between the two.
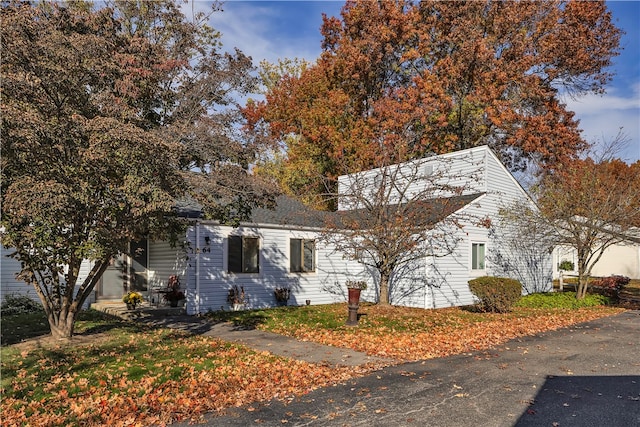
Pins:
x: 235, y: 254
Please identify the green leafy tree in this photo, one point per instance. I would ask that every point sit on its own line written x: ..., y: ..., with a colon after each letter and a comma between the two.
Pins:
x: 109, y: 116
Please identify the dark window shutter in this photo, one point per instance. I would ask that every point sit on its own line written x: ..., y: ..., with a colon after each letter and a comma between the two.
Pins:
x: 235, y: 254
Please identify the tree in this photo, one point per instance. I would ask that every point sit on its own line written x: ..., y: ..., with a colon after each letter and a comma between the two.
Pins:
x: 591, y: 205
x: 439, y: 77
x: 396, y: 214
x: 109, y: 117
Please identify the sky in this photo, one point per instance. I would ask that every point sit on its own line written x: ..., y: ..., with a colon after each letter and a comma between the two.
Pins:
x: 291, y: 29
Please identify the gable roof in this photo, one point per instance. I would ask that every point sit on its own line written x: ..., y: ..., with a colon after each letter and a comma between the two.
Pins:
x: 289, y: 211
x: 422, y: 213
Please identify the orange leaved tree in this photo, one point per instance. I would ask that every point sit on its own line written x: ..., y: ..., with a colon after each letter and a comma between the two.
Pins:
x: 437, y: 77
x: 592, y: 205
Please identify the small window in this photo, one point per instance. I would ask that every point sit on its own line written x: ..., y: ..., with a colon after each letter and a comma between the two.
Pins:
x: 477, y: 256
x: 244, y: 254
x: 303, y: 255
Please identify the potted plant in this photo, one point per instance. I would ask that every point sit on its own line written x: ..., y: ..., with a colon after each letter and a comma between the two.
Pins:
x: 132, y: 299
x: 354, y: 287
x: 173, y: 294
x: 566, y: 265
x: 236, y: 298
x: 282, y: 295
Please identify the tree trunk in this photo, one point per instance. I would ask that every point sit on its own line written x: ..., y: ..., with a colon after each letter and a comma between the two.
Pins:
x: 581, y: 291
x: 384, y: 289
x: 62, y: 326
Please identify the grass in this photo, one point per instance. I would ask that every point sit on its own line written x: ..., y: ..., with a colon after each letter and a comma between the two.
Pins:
x: 566, y: 300
x: 18, y: 328
x: 135, y: 374
x: 332, y: 317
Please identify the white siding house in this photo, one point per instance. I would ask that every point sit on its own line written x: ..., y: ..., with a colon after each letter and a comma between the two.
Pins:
x: 622, y: 259
x: 281, y: 248
x: 427, y: 282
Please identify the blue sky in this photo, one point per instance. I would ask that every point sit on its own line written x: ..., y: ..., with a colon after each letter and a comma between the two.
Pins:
x: 289, y: 29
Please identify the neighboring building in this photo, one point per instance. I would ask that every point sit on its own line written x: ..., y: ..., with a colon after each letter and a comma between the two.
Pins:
x: 621, y: 259
x: 281, y: 248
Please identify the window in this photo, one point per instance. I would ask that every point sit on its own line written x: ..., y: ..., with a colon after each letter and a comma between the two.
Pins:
x: 477, y: 256
x: 303, y: 255
x: 243, y: 254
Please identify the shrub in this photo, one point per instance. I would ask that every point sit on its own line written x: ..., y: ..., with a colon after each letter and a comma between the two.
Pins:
x: 282, y: 295
x: 496, y: 294
x: 566, y: 265
x: 19, y: 304
x: 566, y: 300
x: 609, y: 286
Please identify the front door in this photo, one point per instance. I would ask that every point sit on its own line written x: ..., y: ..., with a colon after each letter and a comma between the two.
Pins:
x: 139, y: 262
x: 114, y: 280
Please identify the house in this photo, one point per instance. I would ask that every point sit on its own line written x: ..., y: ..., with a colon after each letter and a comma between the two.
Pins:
x: 621, y: 259
x: 282, y: 248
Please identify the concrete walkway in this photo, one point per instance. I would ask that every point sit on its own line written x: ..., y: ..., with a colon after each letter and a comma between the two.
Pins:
x: 280, y: 345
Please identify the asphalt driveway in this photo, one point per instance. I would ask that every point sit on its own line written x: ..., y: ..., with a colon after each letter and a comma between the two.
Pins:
x: 586, y: 375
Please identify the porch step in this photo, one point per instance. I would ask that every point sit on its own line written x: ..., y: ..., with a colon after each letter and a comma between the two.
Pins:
x: 119, y: 309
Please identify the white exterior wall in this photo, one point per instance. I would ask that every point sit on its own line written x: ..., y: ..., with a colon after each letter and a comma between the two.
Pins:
x: 208, y: 279
x: 503, y: 191
x: 443, y: 282
x: 9, y: 267
x: 463, y: 169
x: 9, y: 285
x: 620, y: 259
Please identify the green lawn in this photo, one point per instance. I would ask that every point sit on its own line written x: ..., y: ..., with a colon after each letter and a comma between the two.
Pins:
x: 22, y: 327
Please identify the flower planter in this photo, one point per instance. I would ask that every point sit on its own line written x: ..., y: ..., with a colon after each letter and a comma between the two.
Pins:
x: 131, y: 306
x: 354, y: 304
x: 238, y: 307
x: 354, y: 296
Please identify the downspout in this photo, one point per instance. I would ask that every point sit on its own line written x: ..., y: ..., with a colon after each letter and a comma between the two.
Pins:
x: 427, y: 273
x: 197, y: 273
x: 638, y: 265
